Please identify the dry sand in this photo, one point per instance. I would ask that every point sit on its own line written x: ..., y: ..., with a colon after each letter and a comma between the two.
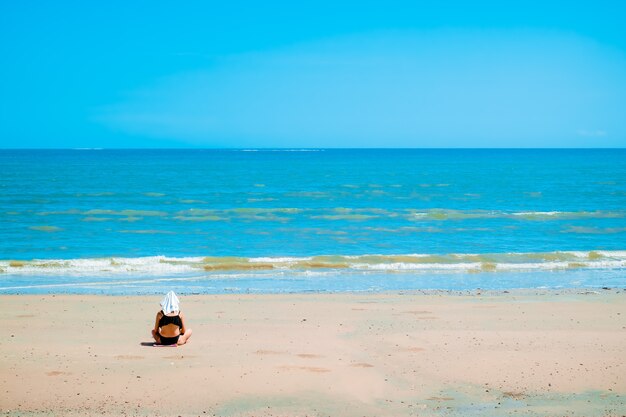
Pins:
x: 536, y: 354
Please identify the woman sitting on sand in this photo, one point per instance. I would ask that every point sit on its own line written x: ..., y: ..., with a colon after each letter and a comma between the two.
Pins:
x: 169, y: 328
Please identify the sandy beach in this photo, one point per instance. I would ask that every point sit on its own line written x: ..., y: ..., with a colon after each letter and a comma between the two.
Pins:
x: 539, y: 353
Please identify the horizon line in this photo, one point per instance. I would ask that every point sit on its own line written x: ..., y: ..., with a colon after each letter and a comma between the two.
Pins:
x: 301, y: 148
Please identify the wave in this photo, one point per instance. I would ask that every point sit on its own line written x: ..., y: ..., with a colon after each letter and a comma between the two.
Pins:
x: 449, y: 214
x: 409, y: 263
x: 332, y: 214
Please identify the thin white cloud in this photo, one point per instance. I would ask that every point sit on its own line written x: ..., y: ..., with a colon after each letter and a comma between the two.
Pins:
x: 592, y: 133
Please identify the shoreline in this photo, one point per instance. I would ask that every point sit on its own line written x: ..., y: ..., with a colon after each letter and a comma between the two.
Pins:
x: 530, y: 291
x: 481, y: 352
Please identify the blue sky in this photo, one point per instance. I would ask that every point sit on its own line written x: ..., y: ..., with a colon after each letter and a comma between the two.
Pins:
x: 312, y: 74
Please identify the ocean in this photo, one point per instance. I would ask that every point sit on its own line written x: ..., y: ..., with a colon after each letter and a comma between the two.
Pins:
x: 257, y: 220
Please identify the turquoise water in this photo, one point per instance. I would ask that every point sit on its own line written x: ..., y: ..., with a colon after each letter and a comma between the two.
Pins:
x: 128, y: 221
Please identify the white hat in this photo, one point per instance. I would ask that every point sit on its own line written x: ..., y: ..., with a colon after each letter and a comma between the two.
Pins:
x: 170, y: 303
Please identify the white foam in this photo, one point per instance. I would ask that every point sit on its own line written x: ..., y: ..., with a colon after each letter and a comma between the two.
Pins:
x: 613, y: 253
x: 402, y: 266
x: 537, y: 213
x: 169, y: 266
x: 97, y: 266
x: 278, y: 260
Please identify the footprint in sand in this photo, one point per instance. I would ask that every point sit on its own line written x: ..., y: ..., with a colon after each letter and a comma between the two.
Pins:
x: 128, y: 357
x: 361, y: 365
x: 269, y: 352
x: 417, y: 312
x: 420, y: 314
x: 57, y: 373
x: 308, y: 355
x: 316, y: 369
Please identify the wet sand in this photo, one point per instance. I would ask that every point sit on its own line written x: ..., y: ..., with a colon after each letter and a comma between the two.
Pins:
x: 539, y: 353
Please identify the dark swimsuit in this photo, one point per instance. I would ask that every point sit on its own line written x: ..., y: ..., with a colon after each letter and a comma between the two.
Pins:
x: 164, y: 321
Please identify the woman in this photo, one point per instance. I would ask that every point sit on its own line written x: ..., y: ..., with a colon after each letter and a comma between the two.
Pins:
x: 169, y: 327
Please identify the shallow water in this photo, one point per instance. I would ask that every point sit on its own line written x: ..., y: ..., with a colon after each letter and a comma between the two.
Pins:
x: 425, y: 214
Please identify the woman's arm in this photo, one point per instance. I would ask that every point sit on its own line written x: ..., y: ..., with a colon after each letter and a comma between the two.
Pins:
x: 182, y: 321
x: 156, y: 323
